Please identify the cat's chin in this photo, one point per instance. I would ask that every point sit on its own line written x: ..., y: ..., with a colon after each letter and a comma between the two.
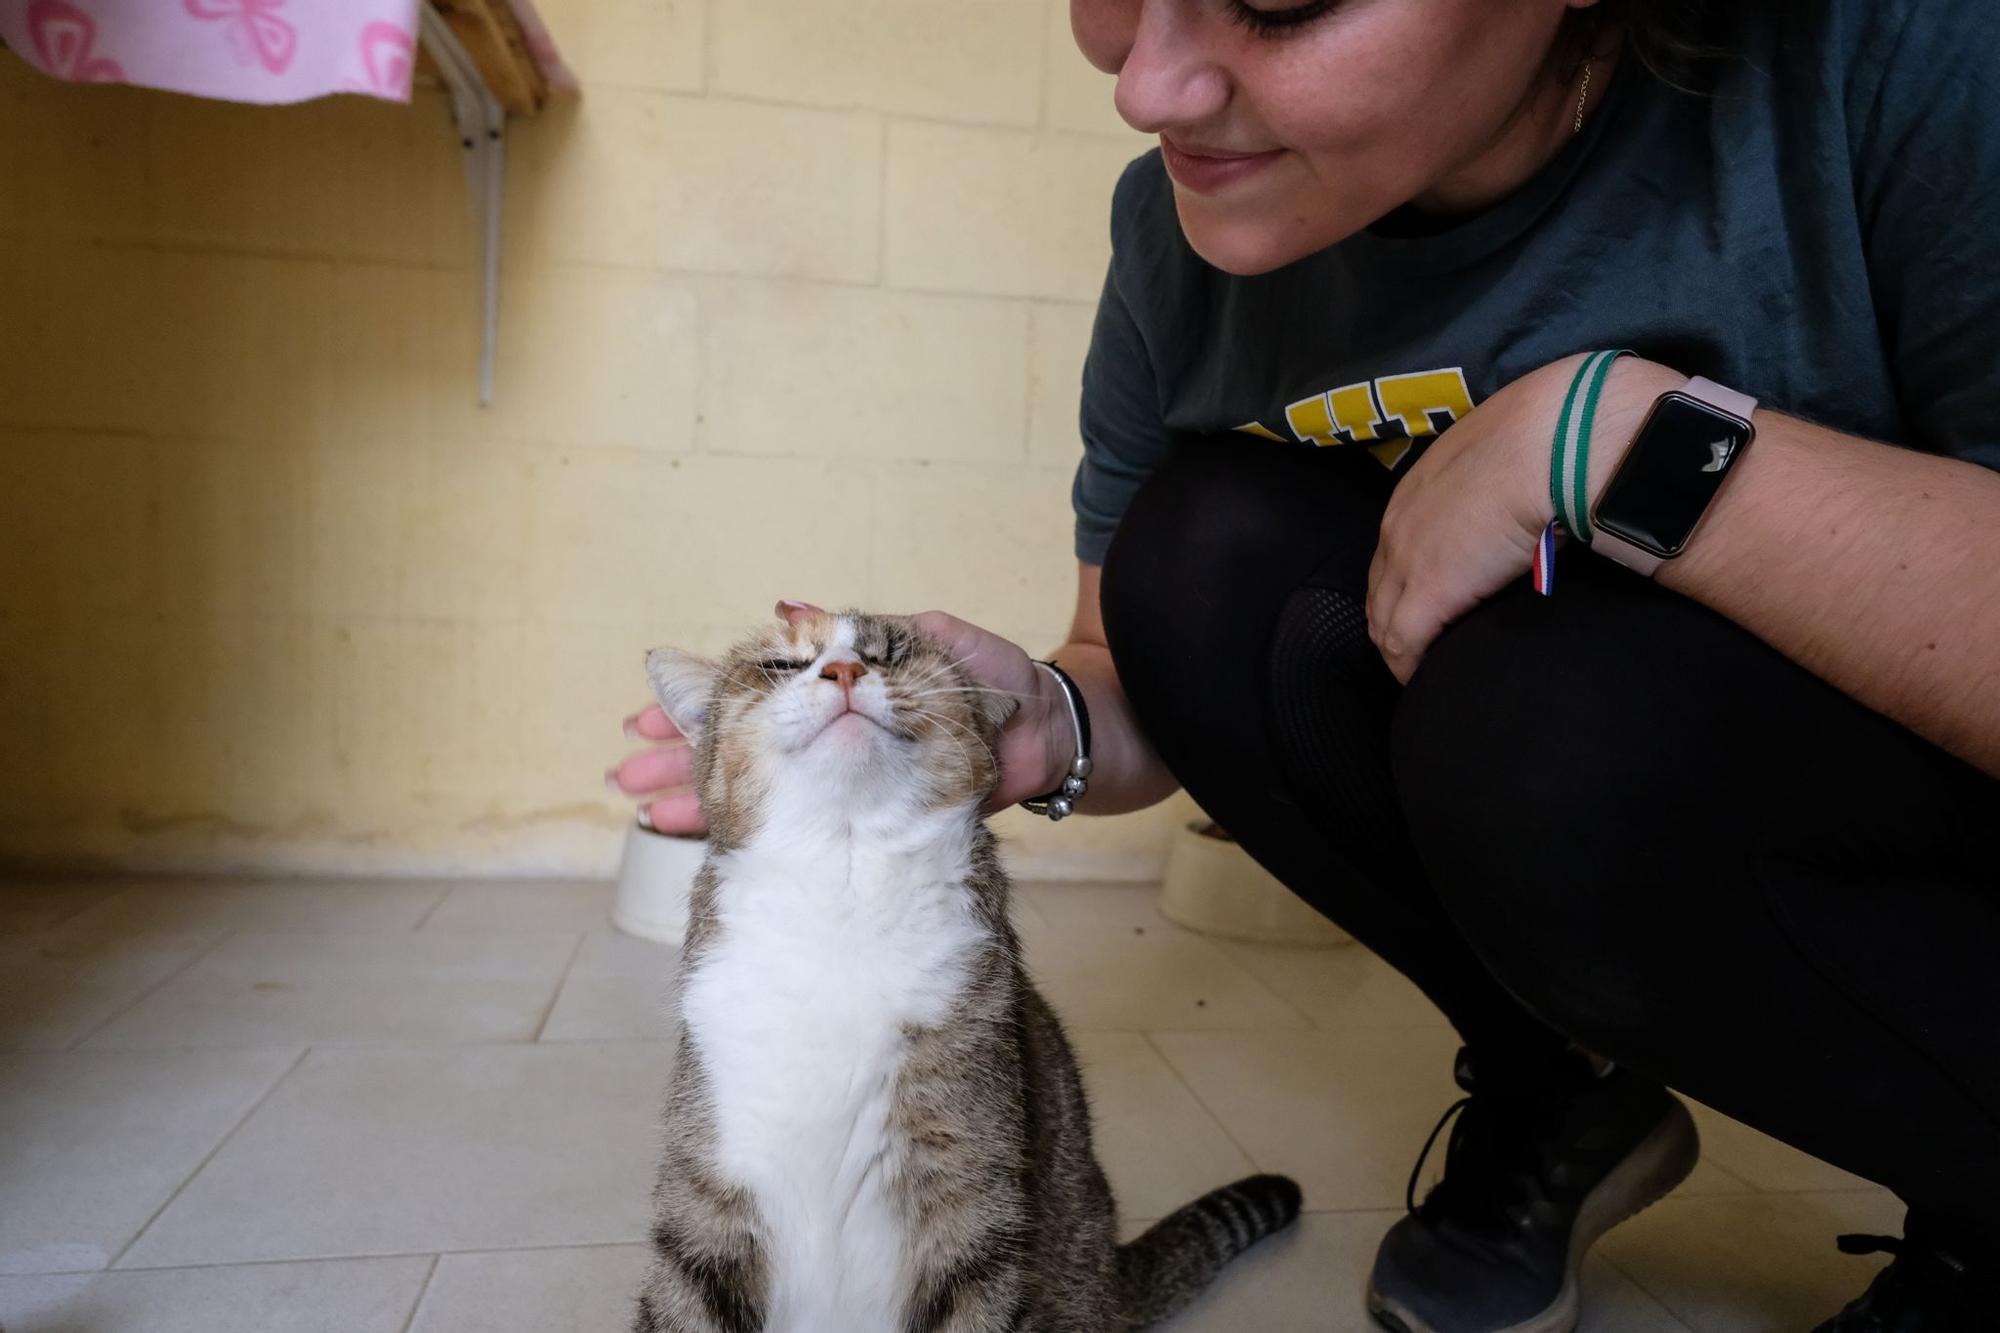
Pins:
x: 845, y: 737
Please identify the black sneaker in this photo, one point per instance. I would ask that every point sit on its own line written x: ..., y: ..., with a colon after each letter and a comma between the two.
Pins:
x: 1925, y: 1289
x: 1531, y: 1180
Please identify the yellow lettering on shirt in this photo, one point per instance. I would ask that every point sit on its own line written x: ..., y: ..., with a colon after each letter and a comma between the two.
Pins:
x: 1422, y: 397
x: 1422, y: 402
x: 1354, y: 411
x: 1311, y: 421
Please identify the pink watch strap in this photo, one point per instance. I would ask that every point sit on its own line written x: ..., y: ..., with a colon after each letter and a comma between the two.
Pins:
x: 1616, y: 548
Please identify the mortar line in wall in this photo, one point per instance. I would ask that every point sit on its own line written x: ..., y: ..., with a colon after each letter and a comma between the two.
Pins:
x: 1031, y: 127
x: 209, y: 1156
x: 260, y: 250
x: 1044, y: 68
x: 558, y: 268
x: 69, y: 428
x: 707, y: 78
x: 1028, y: 383
x: 703, y: 311
x: 882, y: 206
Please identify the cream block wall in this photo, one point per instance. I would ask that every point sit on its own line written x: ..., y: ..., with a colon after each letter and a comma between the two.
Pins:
x: 795, y: 303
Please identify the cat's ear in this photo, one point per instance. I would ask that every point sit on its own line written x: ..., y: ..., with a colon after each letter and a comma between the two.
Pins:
x: 683, y: 683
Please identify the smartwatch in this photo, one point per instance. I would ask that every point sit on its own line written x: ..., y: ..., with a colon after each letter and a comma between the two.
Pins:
x: 1649, y: 506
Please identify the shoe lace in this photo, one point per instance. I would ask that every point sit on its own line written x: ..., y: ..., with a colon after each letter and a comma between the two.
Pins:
x: 1492, y: 1166
x: 1417, y: 1171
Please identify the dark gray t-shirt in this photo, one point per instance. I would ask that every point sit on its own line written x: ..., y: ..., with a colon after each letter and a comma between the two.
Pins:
x: 1820, y: 228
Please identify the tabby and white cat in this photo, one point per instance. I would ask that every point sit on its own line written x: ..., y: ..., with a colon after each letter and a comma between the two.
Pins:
x: 875, y: 1123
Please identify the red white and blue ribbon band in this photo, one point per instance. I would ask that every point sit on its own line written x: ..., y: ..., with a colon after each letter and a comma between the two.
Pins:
x: 1545, y: 562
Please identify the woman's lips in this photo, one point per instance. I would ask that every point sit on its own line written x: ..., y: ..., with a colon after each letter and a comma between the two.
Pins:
x: 1207, y: 170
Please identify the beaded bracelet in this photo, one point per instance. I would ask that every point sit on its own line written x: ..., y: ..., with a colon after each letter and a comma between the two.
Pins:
x: 1059, y: 803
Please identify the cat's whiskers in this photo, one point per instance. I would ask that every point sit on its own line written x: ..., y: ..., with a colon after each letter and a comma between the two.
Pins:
x: 956, y: 730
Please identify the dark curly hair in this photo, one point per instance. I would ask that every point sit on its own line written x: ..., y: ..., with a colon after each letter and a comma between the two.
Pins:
x: 1671, y: 38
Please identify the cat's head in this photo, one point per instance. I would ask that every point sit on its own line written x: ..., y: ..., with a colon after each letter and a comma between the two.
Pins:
x: 844, y: 715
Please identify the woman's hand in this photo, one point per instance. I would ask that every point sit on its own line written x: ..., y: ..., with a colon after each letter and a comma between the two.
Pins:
x: 660, y: 778
x: 1030, y: 753
x: 1465, y: 521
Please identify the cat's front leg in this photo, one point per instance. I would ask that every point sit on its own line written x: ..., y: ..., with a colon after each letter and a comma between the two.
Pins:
x: 710, y: 1272
x: 703, y: 1280
x: 977, y: 1286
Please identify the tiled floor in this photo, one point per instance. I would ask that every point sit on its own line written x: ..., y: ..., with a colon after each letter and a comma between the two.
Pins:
x: 378, y: 1107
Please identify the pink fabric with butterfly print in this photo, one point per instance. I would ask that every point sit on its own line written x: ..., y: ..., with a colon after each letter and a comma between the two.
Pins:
x: 243, y: 50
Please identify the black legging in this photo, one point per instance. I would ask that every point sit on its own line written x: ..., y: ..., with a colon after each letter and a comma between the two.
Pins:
x: 1611, y: 815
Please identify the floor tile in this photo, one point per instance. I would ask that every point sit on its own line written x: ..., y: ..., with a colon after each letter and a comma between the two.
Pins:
x: 1158, y: 1145
x: 614, y: 1008
x: 1314, y: 1275
x: 525, y: 904
x: 57, y: 985
x: 1752, y: 1263
x: 1344, y: 986
x: 93, y: 1142
x: 1106, y: 959
x: 1763, y: 1161
x: 264, y: 987
x: 574, y: 1290
x: 1710, y: 1178
x: 618, y: 989
x: 332, y: 1296
x: 1343, y: 1113
x: 38, y: 905
x: 428, y: 1148
x: 250, y: 904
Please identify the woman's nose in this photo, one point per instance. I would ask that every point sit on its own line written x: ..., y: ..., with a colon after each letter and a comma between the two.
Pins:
x: 1168, y: 79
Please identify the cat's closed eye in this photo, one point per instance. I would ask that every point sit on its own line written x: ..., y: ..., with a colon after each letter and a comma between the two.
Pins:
x: 775, y: 664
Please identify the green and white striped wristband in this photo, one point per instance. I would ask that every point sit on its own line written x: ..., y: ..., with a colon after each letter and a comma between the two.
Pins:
x: 1569, y: 461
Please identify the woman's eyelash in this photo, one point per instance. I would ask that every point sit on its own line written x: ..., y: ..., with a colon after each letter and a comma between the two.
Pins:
x: 1275, y: 22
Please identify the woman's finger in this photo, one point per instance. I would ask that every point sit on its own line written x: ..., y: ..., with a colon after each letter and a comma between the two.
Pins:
x: 676, y: 813
x: 655, y: 770
x: 651, y: 723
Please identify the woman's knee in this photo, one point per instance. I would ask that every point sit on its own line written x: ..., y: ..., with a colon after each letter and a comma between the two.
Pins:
x: 1558, y: 808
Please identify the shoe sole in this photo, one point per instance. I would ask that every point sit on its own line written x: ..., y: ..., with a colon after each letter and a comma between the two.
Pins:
x: 1649, y: 1173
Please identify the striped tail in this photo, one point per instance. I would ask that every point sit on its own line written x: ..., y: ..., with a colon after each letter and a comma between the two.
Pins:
x: 1168, y: 1266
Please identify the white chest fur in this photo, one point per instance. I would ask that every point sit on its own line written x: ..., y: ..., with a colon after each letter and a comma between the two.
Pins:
x: 823, y: 955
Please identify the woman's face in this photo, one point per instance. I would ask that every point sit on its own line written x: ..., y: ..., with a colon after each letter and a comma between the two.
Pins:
x: 1290, y: 124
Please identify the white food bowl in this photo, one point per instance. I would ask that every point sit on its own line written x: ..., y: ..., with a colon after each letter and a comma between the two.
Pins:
x: 1213, y: 886
x: 655, y: 880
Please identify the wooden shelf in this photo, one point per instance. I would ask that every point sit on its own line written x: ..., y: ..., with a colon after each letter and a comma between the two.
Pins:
x: 492, y: 36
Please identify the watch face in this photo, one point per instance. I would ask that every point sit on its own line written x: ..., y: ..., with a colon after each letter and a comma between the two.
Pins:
x: 1673, y: 469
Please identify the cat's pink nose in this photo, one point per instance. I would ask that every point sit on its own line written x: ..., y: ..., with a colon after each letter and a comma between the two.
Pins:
x: 844, y: 672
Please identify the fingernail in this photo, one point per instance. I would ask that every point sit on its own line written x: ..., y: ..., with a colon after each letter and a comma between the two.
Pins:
x: 632, y: 728
x: 645, y: 817
x: 611, y: 779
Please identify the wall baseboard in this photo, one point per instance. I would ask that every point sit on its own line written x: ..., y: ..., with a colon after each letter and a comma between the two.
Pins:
x: 543, y: 852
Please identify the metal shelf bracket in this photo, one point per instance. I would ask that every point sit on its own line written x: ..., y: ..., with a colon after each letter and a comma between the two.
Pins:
x: 482, y: 128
